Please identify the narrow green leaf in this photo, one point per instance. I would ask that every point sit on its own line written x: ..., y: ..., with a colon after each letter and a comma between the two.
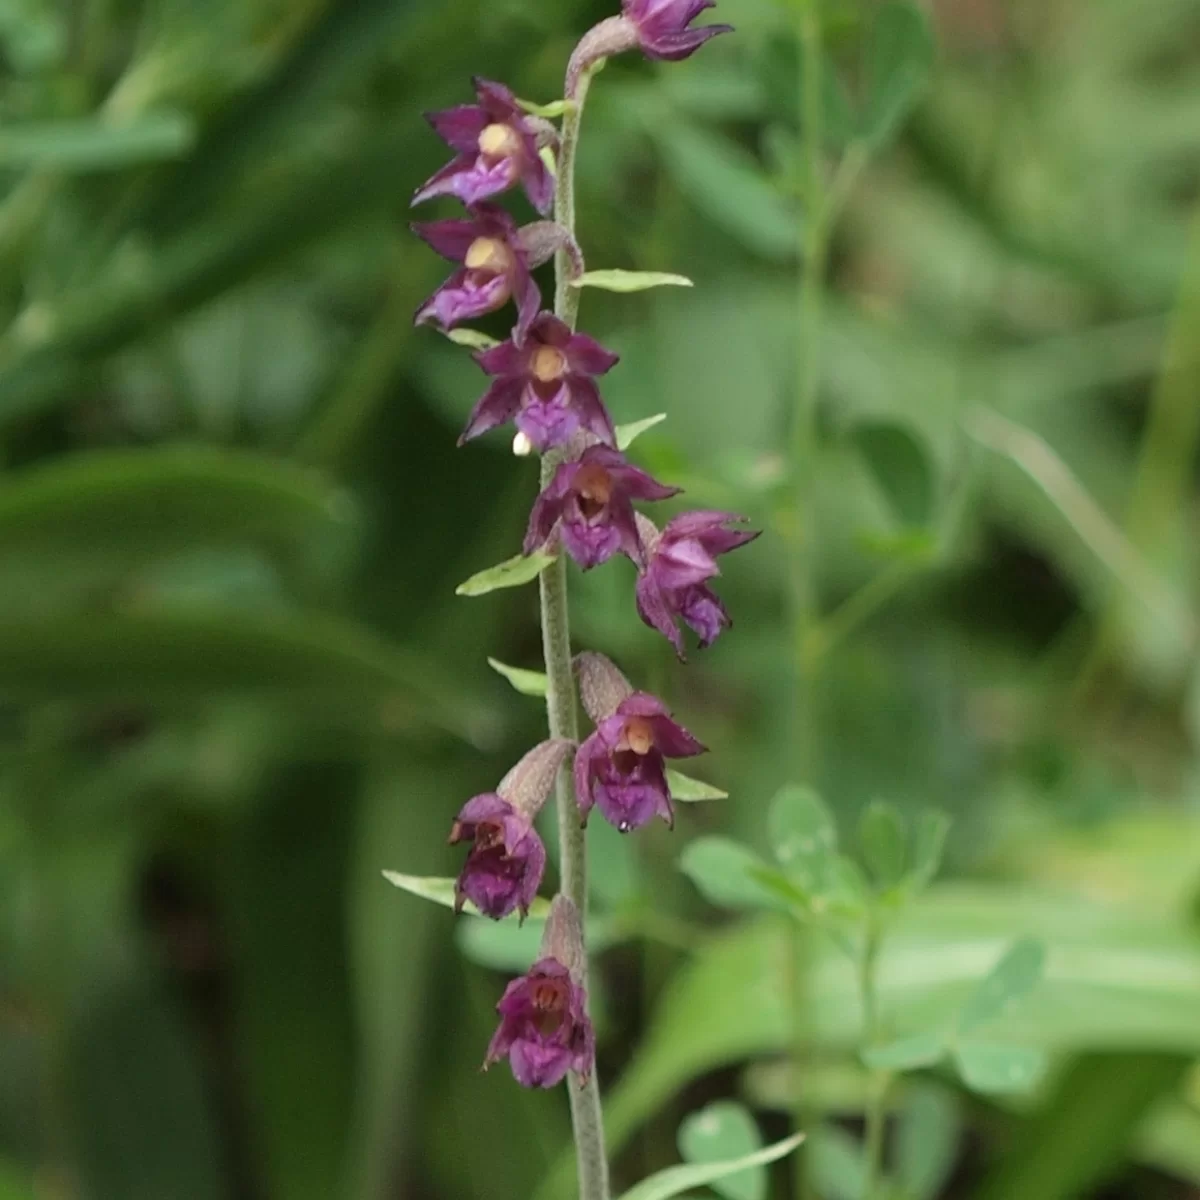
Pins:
x: 727, y: 185
x: 441, y: 891
x: 906, y: 1054
x: 305, y: 660
x: 688, y: 790
x: 134, y: 501
x: 627, y: 434
x: 528, y: 683
x: 901, y: 467
x: 513, y: 572
x: 721, y: 1131
x: 994, y: 1069
x: 929, y: 842
x: 882, y: 837
x: 89, y: 144
x: 617, y: 280
x: 900, y: 54
x: 927, y: 1138
x: 474, y: 339
x: 721, y: 870
x: 675, y: 1180
x: 556, y: 108
x: 1014, y: 976
x: 802, y: 833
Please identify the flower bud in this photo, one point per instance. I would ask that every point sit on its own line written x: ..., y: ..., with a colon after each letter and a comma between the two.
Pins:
x: 601, y: 686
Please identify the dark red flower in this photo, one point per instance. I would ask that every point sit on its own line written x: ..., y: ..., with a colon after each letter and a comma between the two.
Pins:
x: 681, y: 560
x: 590, y: 501
x: 546, y: 385
x: 496, y: 259
x: 544, y: 1027
x: 497, y: 144
x: 506, y: 861
x: 622, y: 766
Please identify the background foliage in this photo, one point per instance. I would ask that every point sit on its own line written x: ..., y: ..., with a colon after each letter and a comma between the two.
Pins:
x: 237, y: 683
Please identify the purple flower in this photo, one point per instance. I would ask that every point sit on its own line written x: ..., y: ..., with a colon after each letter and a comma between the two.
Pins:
x: 681, y: 560
x: 506, y: 861
x: 662, y: 26
x: 544, y: 1027
x: 591, y: 502
x: 497, y: 146
x: 496, y: 263
x: 622, y: 766
x: 546, y: 384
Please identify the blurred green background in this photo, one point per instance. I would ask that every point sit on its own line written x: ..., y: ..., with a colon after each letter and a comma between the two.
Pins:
x: 236, y: 682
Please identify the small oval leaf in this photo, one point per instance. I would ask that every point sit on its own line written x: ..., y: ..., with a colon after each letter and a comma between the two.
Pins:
x: 900, y: 54
x: 687, y: 790
x: 617, y: 280
x: 724, y: 872
x: 721, y: 1131
x: 906, y: 1054
x: 901, y: 467
x: 802, y: 831
x: 627, y: 434
x: 882, y: 837
x: 528, y: 683
x: 472, y: 338
x: 675, y: 1180
x: 556, y: 108
x: 929, y: 843
x: 996, y: 1069
x: 513, y: 572
x: 1014, y: 976
x: 441, y: 891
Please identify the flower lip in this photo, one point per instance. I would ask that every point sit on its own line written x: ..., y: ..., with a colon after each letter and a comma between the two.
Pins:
x: 488, y: 254
x: 547, y: 364
x: 638, y: 736
x: 594, y: 487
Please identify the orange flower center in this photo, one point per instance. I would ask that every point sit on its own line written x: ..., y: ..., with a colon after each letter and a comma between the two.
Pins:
x: 550, y: 1002
x: 593, y: 485
x: 639, y: 736
x: 499, y: 141
x: 547, y: 364
x: 488, y: 834
x: 488, y: 254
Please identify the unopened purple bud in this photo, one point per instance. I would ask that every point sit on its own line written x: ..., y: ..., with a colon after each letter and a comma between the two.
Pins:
x: 498, y: 146
x: 528, y: 784
x: 544, y: 1028
x: 546, y: 385
x: 601, y: 686
x: 621, y: 768
x: 662, y: 26
x: 590, y: 503
x: 681, y: 560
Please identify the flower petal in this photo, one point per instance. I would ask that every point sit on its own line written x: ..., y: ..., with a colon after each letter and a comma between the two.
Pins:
x: 496, y: 406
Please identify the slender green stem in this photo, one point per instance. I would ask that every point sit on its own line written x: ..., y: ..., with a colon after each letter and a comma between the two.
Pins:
x: 586, y: 1118
x: 803, y: 551
x: 876, y: 1110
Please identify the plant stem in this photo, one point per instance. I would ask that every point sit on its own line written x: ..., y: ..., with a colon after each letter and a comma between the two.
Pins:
x: 586, y: 1118
x: 876, y: 1110
x: 803, y: 549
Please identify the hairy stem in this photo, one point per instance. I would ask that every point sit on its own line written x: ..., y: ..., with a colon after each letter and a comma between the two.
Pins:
x: 586, y: 1118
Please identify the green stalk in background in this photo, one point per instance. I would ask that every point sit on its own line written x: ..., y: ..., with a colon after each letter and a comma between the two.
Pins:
x: 805, y: 612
